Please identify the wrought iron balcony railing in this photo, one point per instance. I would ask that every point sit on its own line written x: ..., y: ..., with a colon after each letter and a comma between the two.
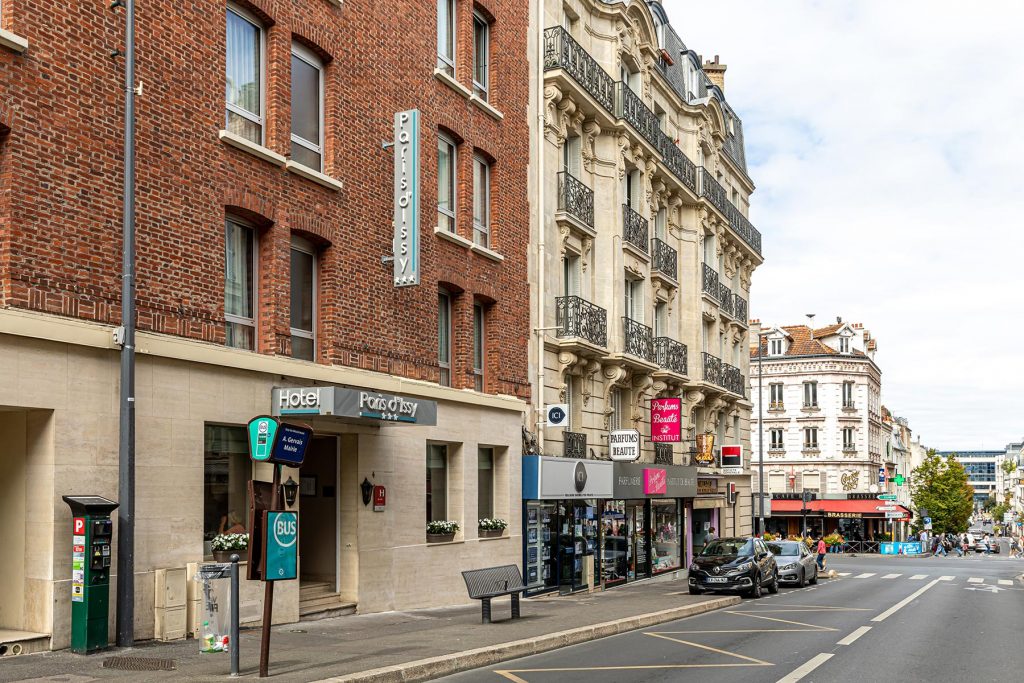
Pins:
x: 574, y: 444
x: 631, y: 109
x: 561, y: 51
x: 678, y: 163
x: 725, y: 299
x: 712, y: 369
x: 662, y: 454
x: 663, y: 258
x: 638, y: 339
x: 732, y: 380
x: 575, y: 199
x: 745, y: 229
x: 670, y: 355
x: 740, y: 308
x: 713, y: 191
x: 578, y: 317
x: 634, y: 228
x: 709, y: 281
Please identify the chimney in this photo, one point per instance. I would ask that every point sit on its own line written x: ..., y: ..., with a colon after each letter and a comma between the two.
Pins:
x: 839, y: 320
x: 716, y: 72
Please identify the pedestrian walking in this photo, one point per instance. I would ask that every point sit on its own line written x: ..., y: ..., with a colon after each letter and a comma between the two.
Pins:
x: 822, y: 549
x: 964, y: 544
x: 987, y: 545
x: 940, y: 546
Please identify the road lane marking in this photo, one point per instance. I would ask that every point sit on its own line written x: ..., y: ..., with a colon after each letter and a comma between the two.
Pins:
x: 905, y: 601
x: 918, y: 577
x: 891, y: 576
x: 806, y: 668
x: 975, y: 579
x: 843, y: 574
x: 848, y: 640
x: 865, y: 575
x: 1005, y: 582
x: 946, y: 578
x: 756, y: 662
x: 510, y: 676
x: 782, y: 621
x: 510, y: 673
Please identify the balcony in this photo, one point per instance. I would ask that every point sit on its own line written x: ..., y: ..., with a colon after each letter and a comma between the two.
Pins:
x: 664, y: 259
x: 712, y: 190
x: 631, y: 109
x: 574, y: 444
x: 732, y: 380
x: 662, y: 454
x: 678, y: 163
x: 638, y: 339
x: 745, y: 229
x: 575, y: 199
x: 670, y: 355
x: 709, y: 281
x: 725, y: 301
x: 634, y: 228
x: 712, y: 369
x: 740, y: 308
x: 579, y: 318
x: 561, y: 51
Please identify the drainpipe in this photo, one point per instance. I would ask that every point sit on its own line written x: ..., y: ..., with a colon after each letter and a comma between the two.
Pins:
x: 541, y: 178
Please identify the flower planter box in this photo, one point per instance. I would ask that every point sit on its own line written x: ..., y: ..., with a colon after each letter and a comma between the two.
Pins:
x: 491, y: 533
x: 225, y: 555
x: 440, y: 538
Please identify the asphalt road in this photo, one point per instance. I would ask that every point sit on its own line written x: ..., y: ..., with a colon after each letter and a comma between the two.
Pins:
x: 882, y: 618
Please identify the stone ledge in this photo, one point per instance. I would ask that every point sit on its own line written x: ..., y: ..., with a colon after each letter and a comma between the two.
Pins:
x: 238, y: 142
x: 13, y: 42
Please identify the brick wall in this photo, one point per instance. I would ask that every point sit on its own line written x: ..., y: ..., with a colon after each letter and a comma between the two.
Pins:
x: 61, y: 119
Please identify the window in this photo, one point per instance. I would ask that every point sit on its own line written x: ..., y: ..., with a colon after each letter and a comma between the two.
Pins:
x: 570, y: 402
x: 777, y: 482
x: 660, y: 229
x: 481, y: 56
x: 239, y: 292
x: 776, y: 439
x: 844, y: 345
x: 810, y: 394
x: 244, y: 75
x: 303, y: 300
x: 446, y: 159
x: 446, y: 36
x: 811, y: 438
x: 485, y: 482
x: 776, y: 395
x: 661, y: 319
x: 478, y: 347
x: 848, y: 444
x: 633, y: 185
x: 775, y: 347
x: 571, y: 155
x: 571, y: 274
x: 847, y: 394
x: 615, y: 416
x: 634, y: 300
x: 481, y: 202
x: 307, y: 108
x: 226, y: 473
x: 444, y: 338
x: 811, y: 481
x: 437, y: 482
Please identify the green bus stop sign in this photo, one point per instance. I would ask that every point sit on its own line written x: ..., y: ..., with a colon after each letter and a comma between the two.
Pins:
x: 282, y: 546
x: 262, y: 433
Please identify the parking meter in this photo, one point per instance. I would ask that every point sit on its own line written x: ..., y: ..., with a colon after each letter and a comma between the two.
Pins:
x: 91, y: 553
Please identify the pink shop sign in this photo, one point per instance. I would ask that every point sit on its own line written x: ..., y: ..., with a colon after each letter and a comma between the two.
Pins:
x: 666, y: 420
x: 655, y: 481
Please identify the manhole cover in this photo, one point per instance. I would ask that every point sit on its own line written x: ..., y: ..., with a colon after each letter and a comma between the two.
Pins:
x: 138, y: 664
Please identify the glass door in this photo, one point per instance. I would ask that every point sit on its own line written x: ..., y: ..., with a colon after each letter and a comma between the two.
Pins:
x: 615, y: 543
x: 541, y: 560
x: 640, y: 567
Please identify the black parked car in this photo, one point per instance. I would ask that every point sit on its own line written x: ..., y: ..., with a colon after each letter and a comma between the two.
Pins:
x: 734, y: 564
x: 795, y: 561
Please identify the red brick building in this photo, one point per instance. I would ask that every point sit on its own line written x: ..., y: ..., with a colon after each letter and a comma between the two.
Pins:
x: 265, y: 199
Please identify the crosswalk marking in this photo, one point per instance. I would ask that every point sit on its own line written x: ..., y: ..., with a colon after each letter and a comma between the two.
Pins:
x: 946, y: 578
x: 844, y: 573
x: 975, y: 579
x: 918, y: 577
x: 1005, y: 582
x: 865, y: 575
x: 891, y: 576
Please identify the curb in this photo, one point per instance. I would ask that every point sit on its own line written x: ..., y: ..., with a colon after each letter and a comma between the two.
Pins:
x: 446, y: 665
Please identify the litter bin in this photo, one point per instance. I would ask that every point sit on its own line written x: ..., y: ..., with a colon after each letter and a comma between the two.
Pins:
x: 216, y: 617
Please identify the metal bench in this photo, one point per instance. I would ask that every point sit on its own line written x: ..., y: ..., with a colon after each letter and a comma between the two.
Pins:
x: 492, y: 582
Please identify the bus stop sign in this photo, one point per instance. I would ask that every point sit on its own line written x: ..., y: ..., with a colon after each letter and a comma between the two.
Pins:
x: 281, y: 548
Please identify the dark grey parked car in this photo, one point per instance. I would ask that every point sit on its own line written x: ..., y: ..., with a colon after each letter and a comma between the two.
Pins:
x: 796, y: 563
x: 742, y: 565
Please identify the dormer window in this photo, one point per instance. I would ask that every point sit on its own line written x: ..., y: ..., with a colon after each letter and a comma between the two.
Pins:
x: 774, y: 347
x: 844, y: 345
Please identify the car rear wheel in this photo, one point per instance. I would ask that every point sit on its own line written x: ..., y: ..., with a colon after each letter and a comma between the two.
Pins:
x: 773, y: 587
x: 814, y: 579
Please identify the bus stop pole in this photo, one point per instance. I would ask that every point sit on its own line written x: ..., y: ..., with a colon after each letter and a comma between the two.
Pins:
x: 235, y: 644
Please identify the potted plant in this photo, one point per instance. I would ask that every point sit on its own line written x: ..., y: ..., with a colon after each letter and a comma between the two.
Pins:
x: 491, y: 528
x: 226, y: 545
x: 441, y: 531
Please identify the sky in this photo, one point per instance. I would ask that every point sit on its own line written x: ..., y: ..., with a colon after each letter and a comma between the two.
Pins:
x: 885, y: 139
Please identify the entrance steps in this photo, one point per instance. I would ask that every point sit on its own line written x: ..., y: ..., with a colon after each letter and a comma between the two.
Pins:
x: 317, y: 600
x: 14, y: 643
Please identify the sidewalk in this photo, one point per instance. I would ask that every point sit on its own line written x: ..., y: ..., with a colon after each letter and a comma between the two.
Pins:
x: 393, y: 646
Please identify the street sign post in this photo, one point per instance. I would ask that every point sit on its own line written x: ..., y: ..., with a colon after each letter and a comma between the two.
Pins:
x: 887, y: 496
x: 893, y: 515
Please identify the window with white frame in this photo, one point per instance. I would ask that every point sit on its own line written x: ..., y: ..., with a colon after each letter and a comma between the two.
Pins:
x: 661, y: 319
x: 775, y: 390
x: 303, y: 299
x: 810, y: 394
x: 615, y: 417
x: 571, y: 274
x: 660, y: 224
x: 444, y: 337
x: 484, y: 482
x: 446, y: 36
x: 775, y: 347
x: 481, y: 201
x: 244, y: 60
x: 479, y: 346
x: 239, y: 285
x: 571, y: 155
x: 634, y: 299
x: 437, y: 482
x: 811, y: 438
x: 848, y: 442
x: 776, y: 439
x: 481, y: 56
x: 446, y: 165
x: 307, y: 108
x: 811, y: 481
x: 844, y: 345
x: 777, y: 482
x: 847, y: 394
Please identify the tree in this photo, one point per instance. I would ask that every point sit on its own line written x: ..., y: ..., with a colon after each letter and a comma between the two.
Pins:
x: 940, y: 486
x: 1009, y: 466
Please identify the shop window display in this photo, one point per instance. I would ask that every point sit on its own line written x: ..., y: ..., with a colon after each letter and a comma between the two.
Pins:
x: 667, y: 540
x: 541, y: 524
x: 616, y: 552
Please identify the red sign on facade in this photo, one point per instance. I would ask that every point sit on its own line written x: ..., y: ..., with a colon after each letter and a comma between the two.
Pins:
x: 655, y: 481
x: 732, y: 456
x: 666, y: 420
x: 379, y: 498
x: 79, y: 526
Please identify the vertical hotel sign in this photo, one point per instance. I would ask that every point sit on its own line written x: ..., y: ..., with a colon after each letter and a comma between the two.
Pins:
x: 407, y: 198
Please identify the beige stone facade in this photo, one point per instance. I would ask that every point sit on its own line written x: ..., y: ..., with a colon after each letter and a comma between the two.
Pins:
x: 59, y: 422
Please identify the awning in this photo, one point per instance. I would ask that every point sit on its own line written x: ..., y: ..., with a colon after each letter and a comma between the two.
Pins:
x: 838, y: 508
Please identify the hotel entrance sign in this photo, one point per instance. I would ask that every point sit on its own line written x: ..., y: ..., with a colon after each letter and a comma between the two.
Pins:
x: 407, y: 199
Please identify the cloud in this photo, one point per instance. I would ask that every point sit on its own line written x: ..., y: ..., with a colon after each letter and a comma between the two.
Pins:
x: 884, y: 140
